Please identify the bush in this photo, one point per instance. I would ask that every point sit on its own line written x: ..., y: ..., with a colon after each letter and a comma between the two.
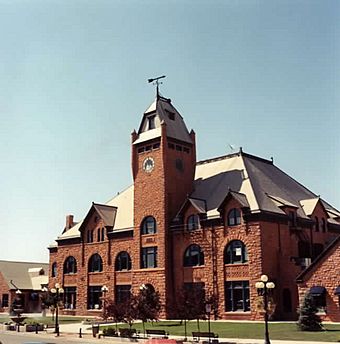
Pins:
x: 109, y: 332
x: 308, y: 319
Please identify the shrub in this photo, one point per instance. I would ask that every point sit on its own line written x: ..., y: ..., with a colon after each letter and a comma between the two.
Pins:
x: 308, y: 319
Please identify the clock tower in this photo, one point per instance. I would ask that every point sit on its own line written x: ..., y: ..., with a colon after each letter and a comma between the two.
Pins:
x: 163, y: 168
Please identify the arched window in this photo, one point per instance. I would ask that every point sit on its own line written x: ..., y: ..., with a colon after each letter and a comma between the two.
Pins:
x: 193, y: 256
x: 103, y: 234
x: 193, y: 222
x: 70, y: 265
x: 54, y: 270
x: 123, y: 261
x: 95, y: 263
x: 234, y: 217
x: 99, y: 234
x: 324, y: 225
x: 149, y: 225
x: 235, y: 253
x: 287, y: 300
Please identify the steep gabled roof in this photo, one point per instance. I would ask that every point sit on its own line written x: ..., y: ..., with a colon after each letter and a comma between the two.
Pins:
x: 118, y: 210
x: 323, y: 255
x: 20, y: 274
x: 165, y: 113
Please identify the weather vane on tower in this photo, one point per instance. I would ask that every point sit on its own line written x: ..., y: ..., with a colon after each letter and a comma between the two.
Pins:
x: 156, y: 82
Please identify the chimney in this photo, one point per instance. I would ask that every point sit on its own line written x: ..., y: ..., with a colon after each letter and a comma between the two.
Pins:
x: 69, y: 222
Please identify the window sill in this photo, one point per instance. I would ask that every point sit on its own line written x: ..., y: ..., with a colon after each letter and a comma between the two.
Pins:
x: 238, y: 312
x: 95, y: 272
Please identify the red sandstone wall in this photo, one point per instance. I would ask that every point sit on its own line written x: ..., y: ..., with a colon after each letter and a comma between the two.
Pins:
x: 326, y: 274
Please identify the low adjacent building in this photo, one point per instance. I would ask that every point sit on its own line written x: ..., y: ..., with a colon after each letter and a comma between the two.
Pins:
x: 24, y: 281
x: 322, y: 280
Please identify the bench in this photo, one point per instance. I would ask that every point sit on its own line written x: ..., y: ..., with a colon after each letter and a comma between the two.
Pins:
x: 197, y: 335
x: 161, y: 333
x: 128, y: 333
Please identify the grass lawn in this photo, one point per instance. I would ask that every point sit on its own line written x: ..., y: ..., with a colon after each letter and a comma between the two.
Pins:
x: 283, y: 331
x: 47, y: 320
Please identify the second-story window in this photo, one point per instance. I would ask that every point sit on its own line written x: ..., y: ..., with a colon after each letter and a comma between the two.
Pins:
x: 123, y: 261
x: 70, y: 265
x: 54, y: 270
x: 95, y: 263
x: 149, y: 257
x: 235, y: 253
x: 193, y: 256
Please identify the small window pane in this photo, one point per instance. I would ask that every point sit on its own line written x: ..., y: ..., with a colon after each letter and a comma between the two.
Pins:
x: 234, y: 217
x: 193, y: 222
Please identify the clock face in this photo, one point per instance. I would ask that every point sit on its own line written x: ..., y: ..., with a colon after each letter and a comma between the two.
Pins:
x: 148, y: 164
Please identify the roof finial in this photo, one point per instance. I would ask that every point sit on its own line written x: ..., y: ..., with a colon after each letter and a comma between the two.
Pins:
x: 156, y: 81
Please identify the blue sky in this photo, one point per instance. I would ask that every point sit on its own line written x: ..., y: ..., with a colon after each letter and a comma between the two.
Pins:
x: 264, y: 75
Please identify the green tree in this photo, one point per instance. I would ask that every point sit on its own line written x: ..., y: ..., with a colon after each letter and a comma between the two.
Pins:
x: 149, y: 305
x: 116, y: 311
x: 308, y: 319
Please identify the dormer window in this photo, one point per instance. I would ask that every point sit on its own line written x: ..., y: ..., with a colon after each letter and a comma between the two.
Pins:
x: 151, y: 122
x: 193, y: 222
x: 234, y: 217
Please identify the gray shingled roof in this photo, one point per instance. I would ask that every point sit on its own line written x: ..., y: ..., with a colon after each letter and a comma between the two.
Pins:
x: 265, y: 186
x: 18, y: 273
x: 163, y: 110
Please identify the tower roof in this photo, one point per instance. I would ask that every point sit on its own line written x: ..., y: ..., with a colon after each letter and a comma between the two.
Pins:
x: 162, y: 112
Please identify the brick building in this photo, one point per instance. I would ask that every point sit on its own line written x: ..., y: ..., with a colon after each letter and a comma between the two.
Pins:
x: 23, y: 281
x: 216, y: 224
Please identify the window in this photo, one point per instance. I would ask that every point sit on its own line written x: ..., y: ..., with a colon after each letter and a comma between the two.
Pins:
x: 100, y: 234
x: 149, y: 257
x: 235, y: 253
x: 317, y: 228
x: 317, y: 249
x: 318, y: 294
x: 70, y: 265
x: 95, y: 263
x: 287, y: 300
x: 123, y: 261
x: 122, y: 293
x: 193, y: 222
x: 94, y: 297
x: 304, y: 249
x: 193, y: 256
x: 54, y: 270
x: 149, y: 225
x: 90, y: 235
x: 237, y: 296
x: 234, y: 217
x: 4, y: 302
x: 324, y: 225
x: 70, y: 297
x: 151, y: 122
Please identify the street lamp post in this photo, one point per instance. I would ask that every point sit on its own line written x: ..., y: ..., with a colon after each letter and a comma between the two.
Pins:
x: 56, y: 291
x: 208, y: 311
x: 264, y: 287
x: 104, y: 290
x: 43, y: 306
